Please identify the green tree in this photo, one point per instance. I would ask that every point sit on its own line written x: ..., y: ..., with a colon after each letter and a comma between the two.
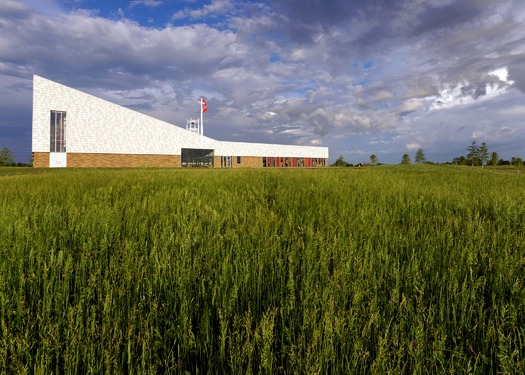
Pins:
x: 473, y: 153
x: 340, y: 162
x: 6, y: 157
x: 518, y: 162
x: 483, y: 153
x: 406, y: 159
x: 373, y: 159
x: 420, y: 156
x: 494, y: 159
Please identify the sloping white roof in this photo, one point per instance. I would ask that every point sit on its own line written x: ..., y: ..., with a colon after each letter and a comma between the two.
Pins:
x: 95, y: 125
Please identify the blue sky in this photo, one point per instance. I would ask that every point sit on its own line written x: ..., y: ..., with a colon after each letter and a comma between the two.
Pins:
x: 383, y: 77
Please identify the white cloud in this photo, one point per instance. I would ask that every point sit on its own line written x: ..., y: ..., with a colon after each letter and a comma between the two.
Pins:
x: 410, y: 106
x: 466, y: 93
x: 413, y: 146
x: 502, y: 74
x: 477, y: 134
x: 11, y: 7
x: 517, y: 110
x: 147, y: 3
x: 214, y: 8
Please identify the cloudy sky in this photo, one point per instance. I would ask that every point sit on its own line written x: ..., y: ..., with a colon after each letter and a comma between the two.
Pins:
x: 360, y: 77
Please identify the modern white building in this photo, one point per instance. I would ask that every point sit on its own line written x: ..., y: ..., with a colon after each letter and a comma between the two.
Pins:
x: 75, y: 129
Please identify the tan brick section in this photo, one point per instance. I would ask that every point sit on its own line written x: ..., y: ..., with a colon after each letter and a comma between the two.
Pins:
x: 74, y: 160
x: 216, y: 162
x: 121, y: 160
x: 110, y: 160
x: 41, y: 159
x: 247, y: 162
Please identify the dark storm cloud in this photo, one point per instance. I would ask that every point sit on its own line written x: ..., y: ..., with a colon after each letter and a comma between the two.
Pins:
x: 313, y: 12
x: 13, y: 10
x: 363, y: 29
x: 450, y: 16
x: 308, y: 19
x: 517, y: 73
x: 390, y: 19
x: 473, y: 91
x: 15, y: 116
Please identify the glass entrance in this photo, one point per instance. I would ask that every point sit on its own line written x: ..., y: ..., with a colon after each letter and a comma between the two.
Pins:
x: 197, y: 158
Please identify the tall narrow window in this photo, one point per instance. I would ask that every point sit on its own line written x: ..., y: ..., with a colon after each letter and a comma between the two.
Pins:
x: 58, y: 131
x: 226, y: 161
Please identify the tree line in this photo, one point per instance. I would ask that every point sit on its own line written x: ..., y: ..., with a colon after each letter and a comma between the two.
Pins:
x: 478, y: 155
x: 7, y: 159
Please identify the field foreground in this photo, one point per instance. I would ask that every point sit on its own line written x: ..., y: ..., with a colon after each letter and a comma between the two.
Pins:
x: 417, y: 269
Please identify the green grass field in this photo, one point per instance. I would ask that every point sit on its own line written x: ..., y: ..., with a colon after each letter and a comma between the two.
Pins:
x: 416, y: 269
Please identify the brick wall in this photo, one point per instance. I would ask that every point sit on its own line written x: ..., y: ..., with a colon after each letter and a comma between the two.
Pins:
x: 247, y: 162
x: 78, y: 160
x: 216, y: 162
x: 41, y: 159
x: 121, y: 160
x: 75, y: 160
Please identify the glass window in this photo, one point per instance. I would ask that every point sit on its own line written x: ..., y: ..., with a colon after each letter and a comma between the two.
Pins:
x: 226, y: 161
x: 193, y: 157
x: 58, y: 131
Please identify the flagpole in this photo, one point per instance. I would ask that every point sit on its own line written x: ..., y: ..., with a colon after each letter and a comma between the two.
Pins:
x: 202, y: 119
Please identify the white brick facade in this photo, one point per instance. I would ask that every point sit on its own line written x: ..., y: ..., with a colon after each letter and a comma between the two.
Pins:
x: 94, y: 125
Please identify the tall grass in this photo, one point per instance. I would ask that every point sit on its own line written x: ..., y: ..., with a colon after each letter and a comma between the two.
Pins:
x: 384, y: 270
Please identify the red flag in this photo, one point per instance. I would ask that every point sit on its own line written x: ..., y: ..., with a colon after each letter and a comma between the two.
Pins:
x: 204, y: 105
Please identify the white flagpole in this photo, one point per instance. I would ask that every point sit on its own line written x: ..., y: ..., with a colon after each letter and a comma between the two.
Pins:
x: 202, y: 118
